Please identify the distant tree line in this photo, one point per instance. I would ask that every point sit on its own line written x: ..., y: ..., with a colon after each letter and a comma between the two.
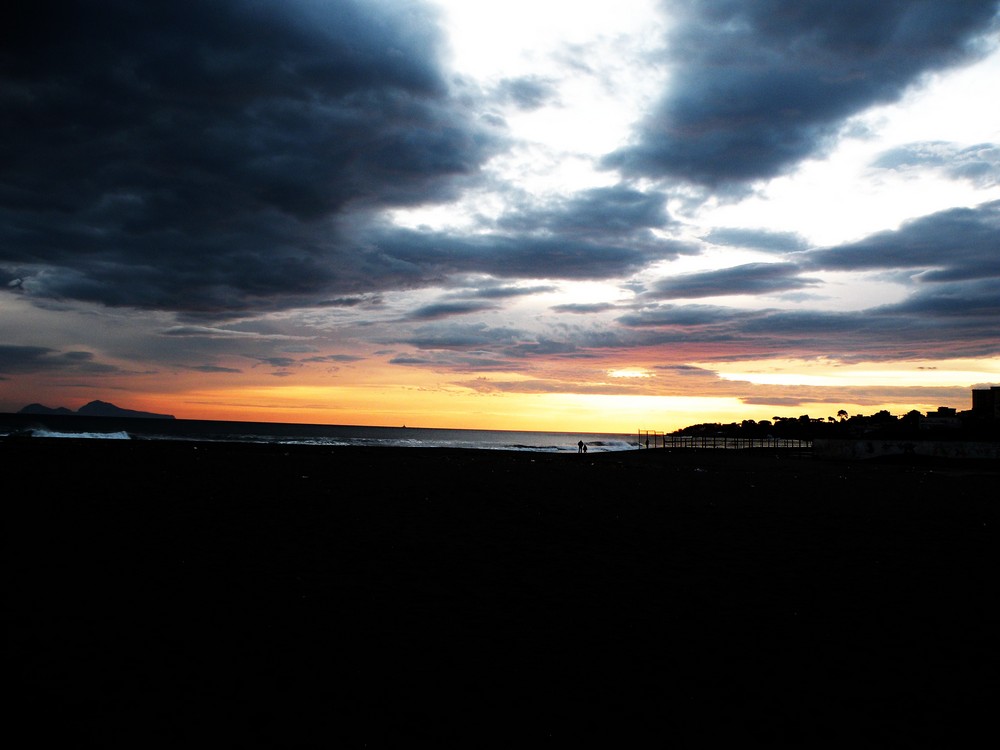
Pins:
x: 882, y: 424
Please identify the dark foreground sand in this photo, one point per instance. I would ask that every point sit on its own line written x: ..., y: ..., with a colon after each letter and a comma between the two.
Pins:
x: 173, y: 595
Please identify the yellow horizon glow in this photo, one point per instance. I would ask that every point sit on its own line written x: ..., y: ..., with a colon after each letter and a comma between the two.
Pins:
x: 379, y: 396
x: 455, y: 408
x: 468, y: 409
x: 922, y: 373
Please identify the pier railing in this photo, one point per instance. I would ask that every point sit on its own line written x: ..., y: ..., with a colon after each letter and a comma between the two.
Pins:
x: 652, y: 439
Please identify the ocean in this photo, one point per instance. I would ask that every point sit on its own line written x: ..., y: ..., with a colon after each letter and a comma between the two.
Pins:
x: 137, y: 428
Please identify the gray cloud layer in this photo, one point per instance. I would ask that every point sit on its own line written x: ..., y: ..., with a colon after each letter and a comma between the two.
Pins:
x: 955, y: 245
x: 226, y: 158
x: 758, y: 86
x: 750, y: 278
x: 979, y: 164
x: 193, y: 156
x: 220, y: 158
x: 229, y: 157
x: 950, y: 259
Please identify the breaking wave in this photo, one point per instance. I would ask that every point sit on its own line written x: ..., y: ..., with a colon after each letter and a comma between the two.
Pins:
x: 43, y: 433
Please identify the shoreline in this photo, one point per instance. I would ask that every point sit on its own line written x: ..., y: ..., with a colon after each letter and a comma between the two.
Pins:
x: 84, y: 427
x: 262, y: 595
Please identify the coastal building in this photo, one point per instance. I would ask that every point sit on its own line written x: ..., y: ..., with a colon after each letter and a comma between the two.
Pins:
x: 986, y: 403
x: 944, y: 418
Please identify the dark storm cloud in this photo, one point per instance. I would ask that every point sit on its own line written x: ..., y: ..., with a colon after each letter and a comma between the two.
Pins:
x: 337, y: 358
x: 24, y: 358
x: 874, y: 334
x: 599, y: 233
x: 798, y: 323
x: 750, y: 278
x: 758, y: 86
x: 979, y: 164
x: 215, y: 369
x: 497, y: 344
x: 952, y: 245
x: 463, y: 336
x: 280, y: 362
x: 508, y: 292
x: 28, y: 359
x: 677, y: 315
x: 916, y: 329
x: 594, y: 234
x: 583, y: 308
x: 459, y: 361
x: 205, y: 331
x: 351, y: 301
x: 970, y: 300
x: 191, y: 155
x: 490, y: 290
x: 403, y: 256
x: 447, y: 310
x: 616, y: 212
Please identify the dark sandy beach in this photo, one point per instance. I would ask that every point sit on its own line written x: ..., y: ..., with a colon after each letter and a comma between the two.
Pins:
x: 173, y: 594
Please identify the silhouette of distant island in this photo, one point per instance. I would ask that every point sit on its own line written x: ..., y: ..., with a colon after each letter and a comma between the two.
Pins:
x: 93, y: 409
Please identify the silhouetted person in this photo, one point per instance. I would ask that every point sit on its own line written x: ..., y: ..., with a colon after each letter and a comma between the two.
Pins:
x: 584, y: 447
x: 579, y: 447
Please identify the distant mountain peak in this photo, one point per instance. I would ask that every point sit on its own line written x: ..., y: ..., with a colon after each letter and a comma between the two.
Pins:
x: 95, y: 408
x: 40, y: 409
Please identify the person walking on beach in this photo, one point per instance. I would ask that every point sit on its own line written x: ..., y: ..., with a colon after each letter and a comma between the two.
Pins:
x: 579, y: 447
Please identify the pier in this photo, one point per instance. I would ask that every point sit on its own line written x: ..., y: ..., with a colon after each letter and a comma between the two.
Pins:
x: 657, y: 439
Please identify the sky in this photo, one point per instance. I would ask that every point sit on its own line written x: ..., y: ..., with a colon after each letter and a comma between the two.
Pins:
x: 546, y: 215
